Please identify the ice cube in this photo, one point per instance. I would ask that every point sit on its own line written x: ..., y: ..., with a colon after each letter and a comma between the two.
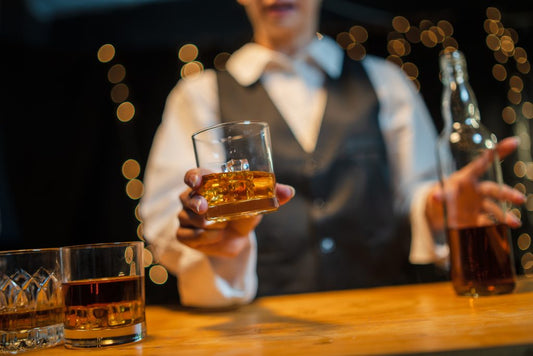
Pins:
x: 236, y: 165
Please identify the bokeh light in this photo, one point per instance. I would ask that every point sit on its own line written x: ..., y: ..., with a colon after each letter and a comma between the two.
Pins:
x: 119, y: 93
x: 106, y: 53
x: 125, y: 111
x: 148, y: 257
x: 134, y: 189
x: 220, y: 60
x: 158, y: 274
x: 131, y: 169
x: 188, y: 53
x: 191, y: 68
x: 116, y: 73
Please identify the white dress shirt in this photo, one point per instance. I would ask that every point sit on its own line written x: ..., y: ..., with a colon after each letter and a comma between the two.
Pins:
x: 295, y: 86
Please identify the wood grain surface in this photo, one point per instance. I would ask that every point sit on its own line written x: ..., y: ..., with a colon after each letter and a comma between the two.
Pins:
x: 410, y: 319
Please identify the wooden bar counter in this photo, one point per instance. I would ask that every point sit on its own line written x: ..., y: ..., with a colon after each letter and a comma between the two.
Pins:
x: 411, y: 319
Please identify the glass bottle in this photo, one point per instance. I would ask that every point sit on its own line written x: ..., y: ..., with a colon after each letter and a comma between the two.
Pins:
x: 481, y: 261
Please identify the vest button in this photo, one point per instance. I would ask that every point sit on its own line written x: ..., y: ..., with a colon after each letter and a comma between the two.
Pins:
x: 327, y: 245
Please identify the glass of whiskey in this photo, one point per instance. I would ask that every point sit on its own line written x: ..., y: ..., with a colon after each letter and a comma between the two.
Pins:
x: 103, y: 290
x: 240, y: 181
x: 31, y: 303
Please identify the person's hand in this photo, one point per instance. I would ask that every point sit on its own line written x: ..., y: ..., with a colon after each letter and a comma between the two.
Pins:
x: 222, y: 239
x: 478, y: 198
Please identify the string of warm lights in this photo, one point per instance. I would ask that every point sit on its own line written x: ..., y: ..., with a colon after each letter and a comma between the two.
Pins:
x: 503, y: 42
x: 131, y: 169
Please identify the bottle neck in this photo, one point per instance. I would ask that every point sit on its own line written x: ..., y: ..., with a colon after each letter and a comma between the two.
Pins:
x: 459, y: 103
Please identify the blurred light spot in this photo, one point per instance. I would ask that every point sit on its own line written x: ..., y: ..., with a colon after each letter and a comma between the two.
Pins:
x: 158, y: 274
x: 516, y: 213
x: 191, y: 68
x: 500, y: 57
x: 119, y: 93
x: 520, y: 55
x: 491, y: 26
x: 524, y: 241
x: 509, y: 115
x: 359, y: 33
x: 493, y: 13
x: 493, y: 42
x: 527, y: 110
x: 519, y: 169
x: 439, y: 33
x: 410, y: 69
x: 523, y: 68
x: 395, y: 59
x: 413, y: 35
x: 188, y: 53
x: 428, y: 38
x: 396, y: 47
x: 401, y: 24
x: 344, y: 39
x: 514, y: 97
x: 446, y: 26
x: 106, y: 53
x: 128, y: 254
x: 135, y: 189
x: 116, y: 73
x: 125, y: 111
x: 138, y: 212
x: 425, y: 25
x: 148, y: 257
x: 393, y: 35
x: 356, y: 51
x: 511, y: 32
x: 319, y: 35
x: 516, y: 83
x: 499, y: 72
x: 455, y: 137
x: 520, y: 187
x: 507, y: 45
x: 220, y: 60
x: 450, y: 42
x: 140, y: 231
x: 529, y: 200
x: 527, y: 260
x: 131, y: 169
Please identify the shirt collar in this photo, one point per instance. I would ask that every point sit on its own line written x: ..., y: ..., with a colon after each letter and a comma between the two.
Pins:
x: 248, y: 63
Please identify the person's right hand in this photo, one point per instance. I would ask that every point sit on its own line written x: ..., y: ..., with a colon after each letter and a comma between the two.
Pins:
x: 221, y: 239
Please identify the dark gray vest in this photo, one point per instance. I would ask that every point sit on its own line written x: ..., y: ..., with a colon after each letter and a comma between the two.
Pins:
x: 340, y: 230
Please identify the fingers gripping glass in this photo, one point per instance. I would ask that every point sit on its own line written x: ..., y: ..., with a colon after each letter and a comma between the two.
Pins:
x: 239, y: 178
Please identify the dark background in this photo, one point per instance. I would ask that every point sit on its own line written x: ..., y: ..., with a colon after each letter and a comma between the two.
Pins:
x: 62, y: 148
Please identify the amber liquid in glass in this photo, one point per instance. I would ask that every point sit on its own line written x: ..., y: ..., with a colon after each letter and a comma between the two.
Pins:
x: 103, y: 308
x: 481, y: 260
x: 237, y: 194
x: 24, y: 320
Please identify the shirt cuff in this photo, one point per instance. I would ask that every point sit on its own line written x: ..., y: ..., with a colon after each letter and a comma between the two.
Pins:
x: 212, y: 282
x: 426, y: 246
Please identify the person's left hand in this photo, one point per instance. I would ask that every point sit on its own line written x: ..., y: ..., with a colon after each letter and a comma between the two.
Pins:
x: 478, y: 198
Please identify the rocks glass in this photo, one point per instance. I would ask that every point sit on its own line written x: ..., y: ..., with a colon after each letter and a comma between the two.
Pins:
x: 238, y: 179
x: 31, y: 303
x: 103, y: 288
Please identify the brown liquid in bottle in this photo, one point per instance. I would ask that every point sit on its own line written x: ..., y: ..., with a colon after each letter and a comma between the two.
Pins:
x: 481, y: 260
